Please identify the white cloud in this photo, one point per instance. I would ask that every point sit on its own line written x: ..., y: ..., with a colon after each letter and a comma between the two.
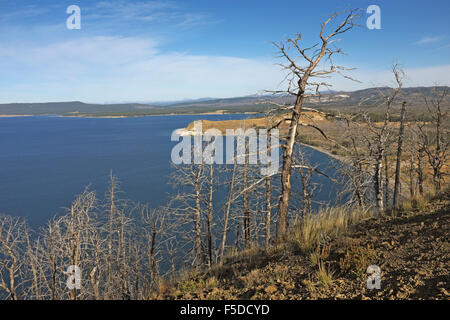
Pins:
x: 96, y: 51
x: 100, y: 69
x: 427, y: 40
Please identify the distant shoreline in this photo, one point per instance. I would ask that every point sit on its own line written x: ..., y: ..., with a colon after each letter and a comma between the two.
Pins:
x: 122, y: 116
x: 15, y: 115
x: 325, y: 151
x: 222, y: 112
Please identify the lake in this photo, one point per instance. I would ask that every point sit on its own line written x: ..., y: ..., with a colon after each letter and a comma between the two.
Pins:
x: 46, y: 160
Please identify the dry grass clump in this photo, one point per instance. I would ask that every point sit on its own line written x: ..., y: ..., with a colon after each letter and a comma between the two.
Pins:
x: 324, y: 274
x: 356, y: 257
x: 312, y: 230
x: 418, y: 202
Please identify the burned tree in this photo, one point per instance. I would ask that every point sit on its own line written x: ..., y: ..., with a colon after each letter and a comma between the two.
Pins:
x: 395, y: 203
x: 13, y: 238
x: 377, y: 141
x: 188, y: 207
x: 305, y: 81
x: 435, y: 145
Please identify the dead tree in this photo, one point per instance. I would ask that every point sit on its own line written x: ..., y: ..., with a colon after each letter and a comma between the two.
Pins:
x: 247, y: 188
x: 419, y: 170
x: 13, y: 240
x: 209, y: 217
x: 355, y: 178
x: 228, y: 210
x: 387, y: 190
x: 154, y: 228
x: 399, y: 155
x: 377, y: 140
x: 301, y: 84
x: 117, y: 255
x: 268, y: 193
x: 307, y: 188
x: 120, y: 230
x: 416, y: 155
x: 245, y: 198
x: 188, y: 207
x: 436, y: 145
x: 411, y: 176
x: 51, y: 259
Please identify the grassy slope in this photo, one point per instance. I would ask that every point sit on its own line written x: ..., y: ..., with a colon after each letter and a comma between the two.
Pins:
x: 412, y: 251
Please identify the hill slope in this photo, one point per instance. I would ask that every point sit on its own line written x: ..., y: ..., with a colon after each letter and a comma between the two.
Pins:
x: 361, y: 98
x: 412, y: 251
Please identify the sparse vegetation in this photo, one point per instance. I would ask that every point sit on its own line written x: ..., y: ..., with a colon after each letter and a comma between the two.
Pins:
x: 336, y: 269
x: 325, y: 225
x: 356, y: 257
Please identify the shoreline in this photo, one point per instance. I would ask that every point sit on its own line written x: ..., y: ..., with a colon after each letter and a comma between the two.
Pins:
x: 325, y: 151
x: 155, y: 115
x: 122, y: 116
x: 15, y: 115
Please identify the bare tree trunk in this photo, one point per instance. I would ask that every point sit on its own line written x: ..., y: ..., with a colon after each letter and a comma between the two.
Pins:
x: 268, y: 210
x: 358, y: 184
x: 74, y: 244
x: 247, y: 235
x: 378, y: 184
x: 227, y: 213
x: 283, y: 204
x: 112, y: 209
x: 33, y: 259
x: 387, y: 191
x: 210, y: 213
x: 436, y: 179
x: 197, y: 221
x: 152, y: 259
x: 171, y: 252
x: 420, y: 171
x: 411, y: 176
x: 437, y: 168
x: 399, y: 154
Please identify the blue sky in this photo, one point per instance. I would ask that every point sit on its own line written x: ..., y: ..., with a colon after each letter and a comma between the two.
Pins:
x: 145, y: 51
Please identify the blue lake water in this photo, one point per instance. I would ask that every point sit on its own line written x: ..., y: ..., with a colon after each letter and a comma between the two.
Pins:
x: 45, y: 161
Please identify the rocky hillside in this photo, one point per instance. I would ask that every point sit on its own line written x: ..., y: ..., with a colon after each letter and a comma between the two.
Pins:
x: 412, y: 251
x: 255, y: 123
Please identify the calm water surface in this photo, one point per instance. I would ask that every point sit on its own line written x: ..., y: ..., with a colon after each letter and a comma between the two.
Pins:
x: 45, y: 161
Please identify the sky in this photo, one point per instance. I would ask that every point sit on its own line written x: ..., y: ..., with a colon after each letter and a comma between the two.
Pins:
x: 148, y: 51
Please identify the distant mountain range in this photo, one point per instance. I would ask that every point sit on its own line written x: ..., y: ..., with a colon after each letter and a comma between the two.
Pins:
x: 334, y: 99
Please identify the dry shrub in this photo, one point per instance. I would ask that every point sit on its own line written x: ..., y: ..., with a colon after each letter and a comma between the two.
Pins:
x: 356, y: 258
